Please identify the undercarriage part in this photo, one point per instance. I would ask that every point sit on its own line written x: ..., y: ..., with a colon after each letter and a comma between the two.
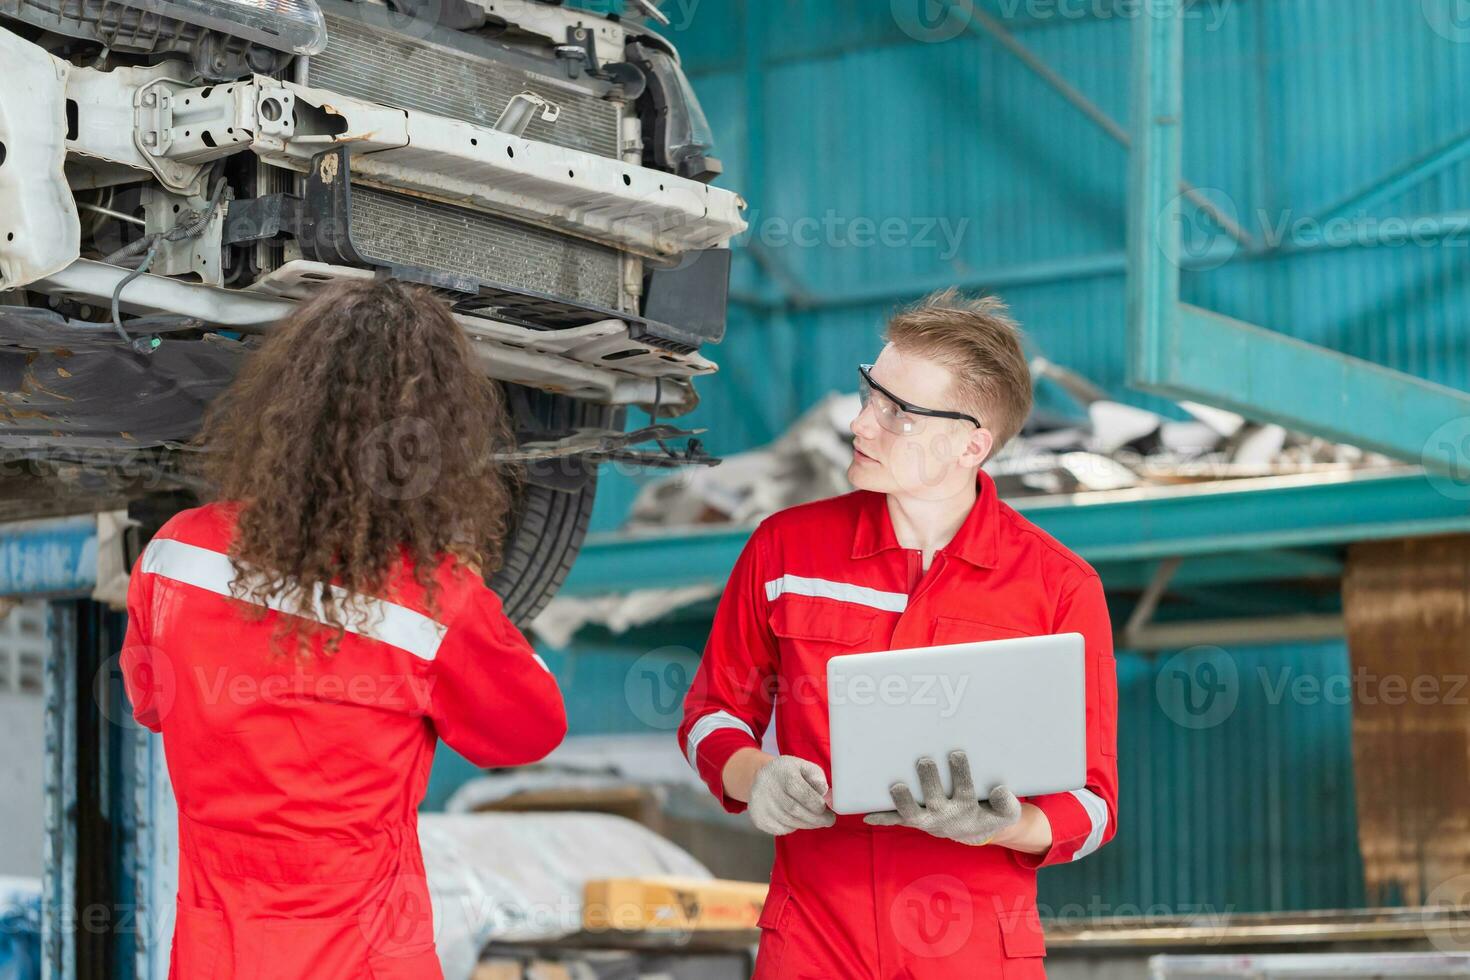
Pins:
x: 50, y: 484
x: 694, y: 293
x: 195, y: 231
x: 90, y: 281
x: 594, y: 361
x: 78, y: 383
x: 610, y: 445
x: 406, y: 231
x: 191, y: 125
x: 361, y: 226
x: 103, y: 144
x: 457, y: 76
x: 91, y: 425
x: 122, y: 127
x: 579, y: 54
x: 523, y: 110
x: 544, y: 23
x: 178, y: 129
x: 197, y: 253
x: 656, y: 215
x: 269, y: 253
x: 40, y: 232
x: 85, y: 389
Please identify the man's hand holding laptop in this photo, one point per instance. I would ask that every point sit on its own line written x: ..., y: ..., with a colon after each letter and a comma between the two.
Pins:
x: 961, y: 816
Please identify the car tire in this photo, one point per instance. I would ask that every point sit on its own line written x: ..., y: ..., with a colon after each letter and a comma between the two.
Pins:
x: 555, y: 505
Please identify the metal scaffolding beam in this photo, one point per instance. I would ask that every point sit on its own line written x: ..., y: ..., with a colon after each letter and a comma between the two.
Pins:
x: 1182, y: 352
x: 1400, y: 180
x: 1228, y: 531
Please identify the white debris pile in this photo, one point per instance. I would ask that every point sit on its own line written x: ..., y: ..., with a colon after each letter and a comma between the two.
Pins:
x: 1102, y: 445
x: 1119, y: 446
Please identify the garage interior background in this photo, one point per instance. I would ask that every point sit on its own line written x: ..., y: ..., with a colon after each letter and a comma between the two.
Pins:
x: 999, y: 137
x: 1294, y: 109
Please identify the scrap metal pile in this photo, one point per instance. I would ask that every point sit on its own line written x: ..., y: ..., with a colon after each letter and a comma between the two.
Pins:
x: 1093, y: 444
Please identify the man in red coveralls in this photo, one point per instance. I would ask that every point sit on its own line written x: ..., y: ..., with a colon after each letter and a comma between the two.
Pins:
x: 922, y: 553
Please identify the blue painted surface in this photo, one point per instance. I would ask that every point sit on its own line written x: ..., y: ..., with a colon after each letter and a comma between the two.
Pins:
x: 54, y: 556
x: 20, y: 931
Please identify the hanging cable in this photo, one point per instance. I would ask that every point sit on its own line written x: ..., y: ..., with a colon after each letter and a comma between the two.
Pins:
x: 143, y: 345
x: 192, y: 227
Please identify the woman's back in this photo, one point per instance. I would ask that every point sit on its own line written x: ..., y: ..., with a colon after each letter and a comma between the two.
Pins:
x: 302, y: 641
x: 298, y: 778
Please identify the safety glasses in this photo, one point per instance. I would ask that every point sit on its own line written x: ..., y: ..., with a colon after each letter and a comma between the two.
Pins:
x: 896, y: 415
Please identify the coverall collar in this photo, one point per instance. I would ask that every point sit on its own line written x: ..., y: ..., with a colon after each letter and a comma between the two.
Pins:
x: 975, y: 541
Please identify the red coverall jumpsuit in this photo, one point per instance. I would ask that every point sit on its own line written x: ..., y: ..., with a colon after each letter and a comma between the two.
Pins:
x: 828, y: 578
x: 298, y: 783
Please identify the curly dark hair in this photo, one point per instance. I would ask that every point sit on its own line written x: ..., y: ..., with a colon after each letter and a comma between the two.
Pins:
x: 358, y: 434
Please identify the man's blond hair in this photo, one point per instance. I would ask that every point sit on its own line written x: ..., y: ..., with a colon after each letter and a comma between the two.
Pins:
x: 979, y: 342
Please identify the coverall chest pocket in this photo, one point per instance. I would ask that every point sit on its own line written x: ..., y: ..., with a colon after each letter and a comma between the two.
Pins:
x: 957, y: 629
x: 812, y: 631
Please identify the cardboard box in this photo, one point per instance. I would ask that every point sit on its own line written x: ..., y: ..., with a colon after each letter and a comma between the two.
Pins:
x: 670, y: 903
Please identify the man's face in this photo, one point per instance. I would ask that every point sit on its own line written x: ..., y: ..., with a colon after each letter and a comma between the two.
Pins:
x: 938, y: 458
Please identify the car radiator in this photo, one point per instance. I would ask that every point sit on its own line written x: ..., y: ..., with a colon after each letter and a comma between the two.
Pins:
x: 374, y: 62
x: 431, y: 235
x: 379, y: 64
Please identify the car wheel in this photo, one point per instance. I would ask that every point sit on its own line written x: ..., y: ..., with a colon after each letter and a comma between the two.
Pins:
x: 555, y: 506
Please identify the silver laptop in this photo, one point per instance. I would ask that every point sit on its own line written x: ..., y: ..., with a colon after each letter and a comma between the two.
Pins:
x: 1016, y: 706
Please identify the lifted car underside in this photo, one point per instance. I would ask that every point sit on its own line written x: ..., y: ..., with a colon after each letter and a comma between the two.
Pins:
x: 176, y: 174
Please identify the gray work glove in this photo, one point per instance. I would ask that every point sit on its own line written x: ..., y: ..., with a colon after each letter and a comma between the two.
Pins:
x: 786, y: 795
x: 961, y: 816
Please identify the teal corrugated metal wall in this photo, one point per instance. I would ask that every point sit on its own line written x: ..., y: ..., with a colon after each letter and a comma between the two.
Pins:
x: 832, y: 109
x: 1238, y: 804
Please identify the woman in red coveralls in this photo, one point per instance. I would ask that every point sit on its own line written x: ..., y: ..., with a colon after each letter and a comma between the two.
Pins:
x: 303, y: 641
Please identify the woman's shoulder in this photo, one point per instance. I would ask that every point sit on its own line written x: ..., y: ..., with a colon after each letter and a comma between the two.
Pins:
x: 208, y: 521
x: 456, y: 580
